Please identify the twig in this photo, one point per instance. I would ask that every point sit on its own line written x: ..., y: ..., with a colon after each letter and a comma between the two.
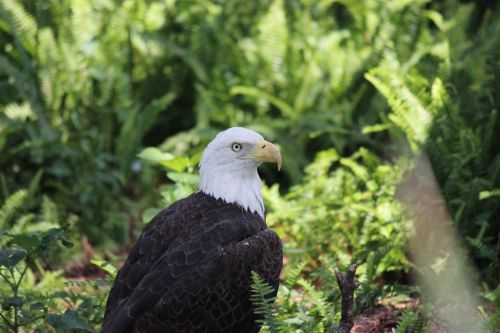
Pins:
x: 7, y: 321
x: 26, y: 323
x: 347, y: 285
x: 6, y: 279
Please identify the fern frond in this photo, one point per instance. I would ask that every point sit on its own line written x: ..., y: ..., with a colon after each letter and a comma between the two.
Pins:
x: 35, y: 183
x: 367, y: 293
x: 409, y: 109
x: 412, y: 23
x: 356, y: 168
x: 294, y: 274
x: 22, y: 24
x: 49, y: 211
x: 319, y: 301
x: 11, y: 206
x: 369, y: 158
x: 407, y: 322
x: 483, y: 250
x: 262, y: 301
x: 17, y: 111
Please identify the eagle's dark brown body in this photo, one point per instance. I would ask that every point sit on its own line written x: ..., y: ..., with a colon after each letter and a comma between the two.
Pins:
x: 190, y: 271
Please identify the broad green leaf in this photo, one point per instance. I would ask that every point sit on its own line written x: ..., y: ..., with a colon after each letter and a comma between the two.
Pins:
x: 153, y: 154
x: 183, y: 177
x: 11, y: 257
x: 177, y: 164
x: 28, y: 242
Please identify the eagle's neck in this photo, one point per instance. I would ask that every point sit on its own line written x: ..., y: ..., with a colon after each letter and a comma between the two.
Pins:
x: 236, y: 185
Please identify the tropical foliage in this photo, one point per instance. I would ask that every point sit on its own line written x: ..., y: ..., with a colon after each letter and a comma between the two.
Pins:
x: 106, y: 105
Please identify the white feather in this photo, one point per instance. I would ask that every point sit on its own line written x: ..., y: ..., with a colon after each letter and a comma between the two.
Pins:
x: 225, y: 175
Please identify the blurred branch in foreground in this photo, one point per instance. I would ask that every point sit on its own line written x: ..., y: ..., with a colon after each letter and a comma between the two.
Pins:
x: 446, y: 275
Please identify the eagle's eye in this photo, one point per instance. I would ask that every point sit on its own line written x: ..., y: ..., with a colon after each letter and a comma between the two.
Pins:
x: 236, y: 146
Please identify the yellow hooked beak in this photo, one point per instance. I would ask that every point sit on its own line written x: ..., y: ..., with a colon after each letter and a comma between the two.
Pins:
x: 267, y: 152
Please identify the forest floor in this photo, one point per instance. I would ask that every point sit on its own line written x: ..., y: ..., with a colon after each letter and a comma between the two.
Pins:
x: 383, y: 318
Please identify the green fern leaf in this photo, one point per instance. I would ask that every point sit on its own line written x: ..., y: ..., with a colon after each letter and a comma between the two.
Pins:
x: 263, y: 303
x: 294, y: 274
x: 11, y: 206
x: 406, y: 323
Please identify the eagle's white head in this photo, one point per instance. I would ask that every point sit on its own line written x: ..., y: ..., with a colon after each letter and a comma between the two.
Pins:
x: 228, y: 167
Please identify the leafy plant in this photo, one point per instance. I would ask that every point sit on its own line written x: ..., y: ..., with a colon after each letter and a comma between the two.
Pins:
x: 22, y: 248
x: 411, y: 321
x: 263, y: 303
x: 344, y: 209
x: 32, y: 296
x: 457, y: 130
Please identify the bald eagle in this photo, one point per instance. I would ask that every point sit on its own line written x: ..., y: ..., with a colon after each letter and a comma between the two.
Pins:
x: 190, y: 270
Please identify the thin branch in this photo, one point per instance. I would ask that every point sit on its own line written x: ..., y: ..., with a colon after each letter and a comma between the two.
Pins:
x: 21, y: 277
x: 7, y: 321
x: 6, y: 280
x: 347, y: 285
x: 16, y: 327
x: 15, y: 289
x: 32, y: 320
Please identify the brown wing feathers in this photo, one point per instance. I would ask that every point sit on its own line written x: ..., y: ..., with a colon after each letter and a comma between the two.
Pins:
x: 190, y: 271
